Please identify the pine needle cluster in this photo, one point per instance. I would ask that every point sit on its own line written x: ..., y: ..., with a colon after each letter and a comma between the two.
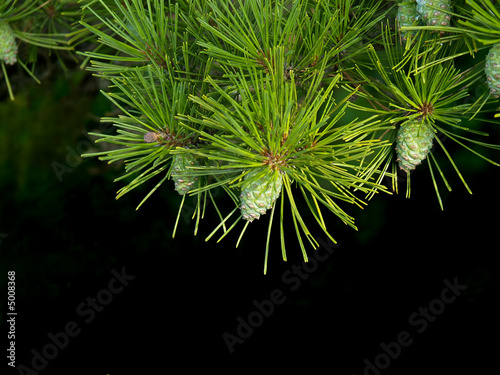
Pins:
x: 27, y: 26
x: 281, y: 101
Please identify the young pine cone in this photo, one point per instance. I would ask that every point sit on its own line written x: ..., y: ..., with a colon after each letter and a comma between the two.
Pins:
x: 259, y: 195
x: 413, y: 142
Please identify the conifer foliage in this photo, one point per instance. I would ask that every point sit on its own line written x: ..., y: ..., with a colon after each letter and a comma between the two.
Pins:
x: 29, y: 25
x: 299, y: 110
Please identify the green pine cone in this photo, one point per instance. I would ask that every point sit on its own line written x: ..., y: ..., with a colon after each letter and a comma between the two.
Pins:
x: 8, y: 45
x: 413, y: 143
x: 406, y: 16
x: 259, y: 195
x: 184, y: 182
x: 435, y: 12
x: 492, y: 70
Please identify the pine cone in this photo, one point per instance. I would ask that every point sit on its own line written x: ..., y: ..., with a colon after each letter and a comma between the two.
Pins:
x: 259, y: 195
x: 8, y: 45
x: 413, y: 143
x: 183, y: 180
x: 434, y: 12
x: 492, y: 70
x: 406, y: 16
